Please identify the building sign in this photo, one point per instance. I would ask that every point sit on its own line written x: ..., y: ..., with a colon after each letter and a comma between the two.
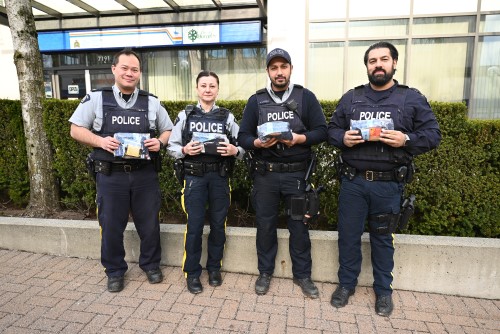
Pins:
x: 117, y: 38
x: 73, y: 89
x: 205, y: 34
x: 139, y: 37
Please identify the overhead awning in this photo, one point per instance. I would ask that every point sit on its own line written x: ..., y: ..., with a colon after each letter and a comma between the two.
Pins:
x: 84, y: 14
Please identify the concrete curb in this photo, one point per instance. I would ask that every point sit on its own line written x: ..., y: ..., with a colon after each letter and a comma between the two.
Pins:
x: 446, y: 265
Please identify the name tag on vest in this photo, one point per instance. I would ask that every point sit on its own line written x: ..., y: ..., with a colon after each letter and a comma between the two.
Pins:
x: 125, y: 120
x: 279, y: 116
x: 207, y: 127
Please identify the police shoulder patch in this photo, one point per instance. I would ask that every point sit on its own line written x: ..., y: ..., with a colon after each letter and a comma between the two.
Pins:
x: 85, y: 99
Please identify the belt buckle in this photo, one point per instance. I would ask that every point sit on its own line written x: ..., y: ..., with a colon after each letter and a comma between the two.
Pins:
x: 127, y: 168
x: 369, y: 175
x: 270, y: 165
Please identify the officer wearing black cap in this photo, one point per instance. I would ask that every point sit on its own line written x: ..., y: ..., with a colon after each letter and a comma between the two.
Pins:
x: 379, y: 127
x: 279, y: 166
x: 125, y: 185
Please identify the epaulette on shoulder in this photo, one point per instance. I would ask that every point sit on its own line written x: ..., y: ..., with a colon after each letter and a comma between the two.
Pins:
x: 416, y: 91
x: 297, y: 86
x: 224, y: 111
x: 262, y: 90
x: 188, y: 110
x: 146, y: 93
x: 358, y: 90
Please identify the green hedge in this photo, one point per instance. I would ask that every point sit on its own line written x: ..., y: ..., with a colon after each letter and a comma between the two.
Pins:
x: 457, y: 185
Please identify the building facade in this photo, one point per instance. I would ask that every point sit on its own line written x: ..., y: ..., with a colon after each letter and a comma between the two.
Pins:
x: 449, y: 50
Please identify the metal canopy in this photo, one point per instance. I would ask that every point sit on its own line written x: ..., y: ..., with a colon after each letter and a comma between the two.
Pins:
x: 81, y: 14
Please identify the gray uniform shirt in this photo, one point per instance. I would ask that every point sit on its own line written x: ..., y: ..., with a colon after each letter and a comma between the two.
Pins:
x: 175, y: 141
x: 89, y: 114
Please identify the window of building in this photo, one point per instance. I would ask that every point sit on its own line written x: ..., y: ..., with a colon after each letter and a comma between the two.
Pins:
x: 486, y: 97
x: 490, y: 23
x: 437, y: 74
x: 379, y: 28
x: 171, y: 75
x: 327, y: 9
x: 487, y: 5
x: 326, y: 30
x: 443, y: 6
x: 326, y: 77
x: 367, y: 8
x: 449, y: 25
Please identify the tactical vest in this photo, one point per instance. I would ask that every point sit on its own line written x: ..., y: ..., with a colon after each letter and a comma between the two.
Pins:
x: 362, y: 156
x: 199, y: 121
x: 117, y: 119
x: 271, y: 111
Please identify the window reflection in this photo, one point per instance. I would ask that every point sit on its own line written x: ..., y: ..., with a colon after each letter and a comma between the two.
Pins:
x: 486, y: 102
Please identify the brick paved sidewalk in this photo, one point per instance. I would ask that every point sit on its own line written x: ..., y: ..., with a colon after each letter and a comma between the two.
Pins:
x: 50, y: 294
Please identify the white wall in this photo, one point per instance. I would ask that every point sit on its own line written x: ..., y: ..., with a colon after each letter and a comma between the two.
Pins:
x: 9, y: 87
x: 286, y: 29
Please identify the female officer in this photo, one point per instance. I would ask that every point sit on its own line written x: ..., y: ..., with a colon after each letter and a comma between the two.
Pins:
x: 204, y: 138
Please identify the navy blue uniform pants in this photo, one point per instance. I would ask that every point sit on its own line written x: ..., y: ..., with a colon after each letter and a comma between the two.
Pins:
x: 211, y: 189
x: 267, y: 192
x: 121, y: 193
x: 358, y: 199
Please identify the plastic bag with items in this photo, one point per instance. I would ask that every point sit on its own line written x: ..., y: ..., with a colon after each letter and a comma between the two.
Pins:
x: 370, y: 129
x: 275, y: 129
x: 132, y: 145
x: 210, y: 141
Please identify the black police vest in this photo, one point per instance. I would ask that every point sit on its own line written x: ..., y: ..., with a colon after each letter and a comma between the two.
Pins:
x: 117, y: 119
x: 373, y: 154
x: 199, y: 121
x: 270, y: 111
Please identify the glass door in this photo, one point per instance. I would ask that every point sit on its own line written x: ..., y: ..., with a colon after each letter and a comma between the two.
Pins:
x: 72, y: 84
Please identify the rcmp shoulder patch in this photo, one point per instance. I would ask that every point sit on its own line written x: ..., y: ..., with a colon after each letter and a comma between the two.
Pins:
x: 85, y: 99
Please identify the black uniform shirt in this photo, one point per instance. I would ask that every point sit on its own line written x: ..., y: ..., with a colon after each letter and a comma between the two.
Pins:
x: 312, y: 117
x: 419, y: 122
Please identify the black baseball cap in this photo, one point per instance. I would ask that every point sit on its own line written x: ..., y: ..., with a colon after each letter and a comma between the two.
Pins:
x: 278, y: 53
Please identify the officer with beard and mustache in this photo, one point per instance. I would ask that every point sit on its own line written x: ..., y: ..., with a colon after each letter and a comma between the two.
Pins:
x: 375, y: 167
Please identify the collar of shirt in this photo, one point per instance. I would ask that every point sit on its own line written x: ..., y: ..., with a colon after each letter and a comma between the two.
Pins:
x: 214, y: 106
x: 275, y: 97
x: 121, y: 101
x: 378, y: 95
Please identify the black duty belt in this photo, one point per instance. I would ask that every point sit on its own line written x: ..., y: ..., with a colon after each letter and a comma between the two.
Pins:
x: 371, y: 175
x: 206, y: 167
x: 127, y: 167
x: 281, y: 167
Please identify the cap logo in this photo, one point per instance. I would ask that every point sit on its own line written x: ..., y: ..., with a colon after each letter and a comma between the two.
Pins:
x: 276, y: 52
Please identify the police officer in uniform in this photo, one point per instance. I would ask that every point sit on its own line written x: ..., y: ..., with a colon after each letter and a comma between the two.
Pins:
x: 125, y: 185
x: 279, y: 167
x: 373, y: 172
x: 204, y: 169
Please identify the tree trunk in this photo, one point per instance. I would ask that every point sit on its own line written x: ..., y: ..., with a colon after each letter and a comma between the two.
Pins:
x: 44, y: 191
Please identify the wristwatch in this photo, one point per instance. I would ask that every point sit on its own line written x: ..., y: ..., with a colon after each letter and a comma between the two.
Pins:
x: 407, y: 139
x: 162, y: 146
